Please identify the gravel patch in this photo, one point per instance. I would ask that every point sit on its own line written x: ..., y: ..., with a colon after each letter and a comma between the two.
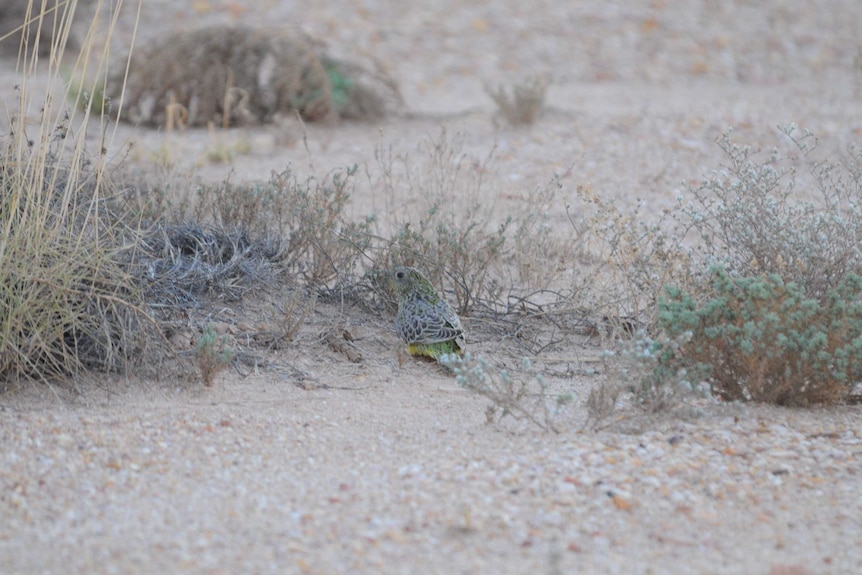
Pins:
x: 406, y: 477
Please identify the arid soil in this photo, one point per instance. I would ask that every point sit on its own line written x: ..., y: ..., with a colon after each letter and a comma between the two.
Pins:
x: 324, y: 465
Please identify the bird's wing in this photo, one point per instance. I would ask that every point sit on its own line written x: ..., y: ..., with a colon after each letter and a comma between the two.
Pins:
x: 445, y: 325
x: 418, y: 321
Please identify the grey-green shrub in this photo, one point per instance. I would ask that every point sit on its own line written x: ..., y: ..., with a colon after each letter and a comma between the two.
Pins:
x: 762, y: 338
x: 750, y: 219
x: 765, y: 305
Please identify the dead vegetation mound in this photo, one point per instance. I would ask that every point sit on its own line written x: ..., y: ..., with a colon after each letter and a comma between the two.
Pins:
x: 183, y: 262
x: 238, y: 76
x: 41, y: 25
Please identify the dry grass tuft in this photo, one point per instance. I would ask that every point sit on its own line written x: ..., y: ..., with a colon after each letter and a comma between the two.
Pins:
x: 69, y: 302
x: 521, y: 103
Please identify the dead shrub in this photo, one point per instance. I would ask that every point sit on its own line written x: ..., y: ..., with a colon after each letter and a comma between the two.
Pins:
x: 302, y: 222
x: 222, y: 74
x: 237, y: 75
x: 178, y: 264
x: 619, y: 264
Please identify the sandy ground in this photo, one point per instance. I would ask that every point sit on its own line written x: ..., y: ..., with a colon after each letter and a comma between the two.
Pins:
x: 377, y: 467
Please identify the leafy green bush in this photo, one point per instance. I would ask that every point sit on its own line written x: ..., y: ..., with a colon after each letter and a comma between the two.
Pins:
x: 762, y: 339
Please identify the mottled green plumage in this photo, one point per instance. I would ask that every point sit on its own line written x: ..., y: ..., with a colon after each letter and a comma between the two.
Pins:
x: 425, y: 320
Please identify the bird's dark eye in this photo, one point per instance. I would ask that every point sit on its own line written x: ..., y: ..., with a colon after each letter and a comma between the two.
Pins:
x: 399, y: 275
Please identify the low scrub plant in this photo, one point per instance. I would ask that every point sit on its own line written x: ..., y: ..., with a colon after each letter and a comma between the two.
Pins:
x: 213, y: 354
x: 462, y: 255
x: 614, y: 267
x: 293, y: 310
x: 766, y: 306
x: 646, y: 368
x: 795, y: 215
x: 523, y: 395
x: 303, y: 219
x: 453, y: 237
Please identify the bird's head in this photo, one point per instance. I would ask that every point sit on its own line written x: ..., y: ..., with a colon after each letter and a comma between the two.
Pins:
x: 407, y: 280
